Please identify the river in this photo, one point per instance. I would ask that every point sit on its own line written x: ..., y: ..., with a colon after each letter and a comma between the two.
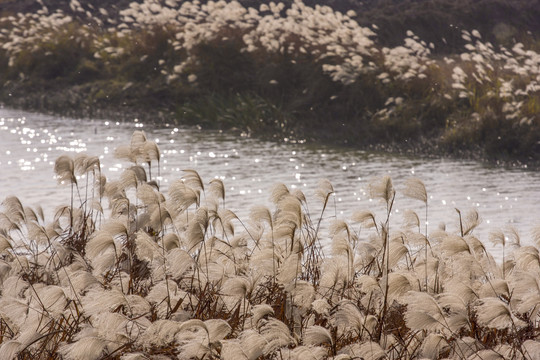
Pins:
x: 30, y: 143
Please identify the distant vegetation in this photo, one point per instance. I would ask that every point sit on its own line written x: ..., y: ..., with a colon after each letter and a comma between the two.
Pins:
x: 290, y: 70
x: 177, y: 274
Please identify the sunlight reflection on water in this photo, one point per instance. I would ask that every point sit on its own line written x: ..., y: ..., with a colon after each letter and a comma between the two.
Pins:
x: 30, y: 143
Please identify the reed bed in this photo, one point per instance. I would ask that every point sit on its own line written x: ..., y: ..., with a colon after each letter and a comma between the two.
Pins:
x: 289, y: 71
x: 126, y: 271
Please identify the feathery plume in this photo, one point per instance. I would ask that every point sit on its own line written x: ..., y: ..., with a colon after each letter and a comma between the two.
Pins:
x: 493, y: 313
x: 415, y: 189
x: 316, y: 335
x: 64, y: 169
x: 383, y: 189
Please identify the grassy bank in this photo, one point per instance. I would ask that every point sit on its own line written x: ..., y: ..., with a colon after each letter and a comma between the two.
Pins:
x: 177, y: 274
x: 287, y: 72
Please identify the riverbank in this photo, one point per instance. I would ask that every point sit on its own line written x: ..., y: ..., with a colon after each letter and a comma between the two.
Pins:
x: 296, y: 73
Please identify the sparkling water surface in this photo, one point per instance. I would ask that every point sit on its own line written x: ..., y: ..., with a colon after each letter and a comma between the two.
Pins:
x: 30, y: 143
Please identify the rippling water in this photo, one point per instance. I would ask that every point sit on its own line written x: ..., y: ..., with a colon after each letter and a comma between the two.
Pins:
x: 30, y: 143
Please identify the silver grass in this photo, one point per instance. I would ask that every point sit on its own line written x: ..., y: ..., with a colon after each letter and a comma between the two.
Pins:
x: 536, y: 235
x: 137, y: 305
x: 182, y: 196
x: 290, y: 211
x: 237, y: 286
x: 324, y: 190
x: 134, y: 356
x: 497, y: 237
x: 289, y: 269
x: 466, y: 292
x: 5, y: 269
x: 371, y: 351
x: 398, y: 285
x: 160, y: 333
x: 98, y: 300
x: 454, y: 244
x: 349, y: 315
x: 233, y: 350
x: 261, y: 311
x: 493, y: 313
x: 532, y: 349
x: 193, y: 179
x: 29, y: 338
x: 64, y: 168
x: 123, y: 152
x: 146, y: 247
x: 13, y: 211
x: 423, y: 312
x: 14, y: 286
x: 171, y: 241
x: 342, y: 247
x: 223, y: 221
x: 305, y: 353
x: 432, y: 345
x: 465, y: 346
x: 471, y: 221
x: 197, y: 229
x: 261, y: 213
x: 112, y: 326
x: 194, y: 350
x: 495, y: 288
x: 148, y: 195
x: 335, y: 273
x: 132, y: 177
x: 5, y: 243
x: 456, y: 310
x: 321, y: 306
x: 51, y: 298
x: 85, y: 348
x: 116, y: 227
x: 84, y: 163
x: 99, y: 243
x: 317, y: 335
x: 415, y: 189
x: 253, y: 344
x: 217, y: 189
x: 138, y: 139
x: 14, y: 311
x: 302, y: 293
x: 487, y: 354
x: 276, y: 335
x: 104, y: 262
x: 30, y: 216
x: 279, y: 191
x: 150, y: 151
x: 365, y: 218
x: 159, y: 218
x: 382, y: 188
x: 527, y: 258
x: 398, y: 252
x: 9, y: 349
x: 475, y: 244
x: 178, y: 263
x: 218, y: 329
x: 411, y: 219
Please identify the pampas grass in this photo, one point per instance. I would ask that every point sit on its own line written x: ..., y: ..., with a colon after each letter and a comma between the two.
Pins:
x: 178, y: 275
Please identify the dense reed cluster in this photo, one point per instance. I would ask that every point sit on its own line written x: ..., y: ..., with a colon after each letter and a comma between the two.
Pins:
x: 285, y: 70
x: 126, y: 271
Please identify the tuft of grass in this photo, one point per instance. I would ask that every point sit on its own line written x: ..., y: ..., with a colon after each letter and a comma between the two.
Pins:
x: 129, y: 270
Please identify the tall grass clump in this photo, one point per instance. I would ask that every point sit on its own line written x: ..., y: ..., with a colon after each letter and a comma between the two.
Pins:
x: 127, y: 270
x: 288, y: 70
